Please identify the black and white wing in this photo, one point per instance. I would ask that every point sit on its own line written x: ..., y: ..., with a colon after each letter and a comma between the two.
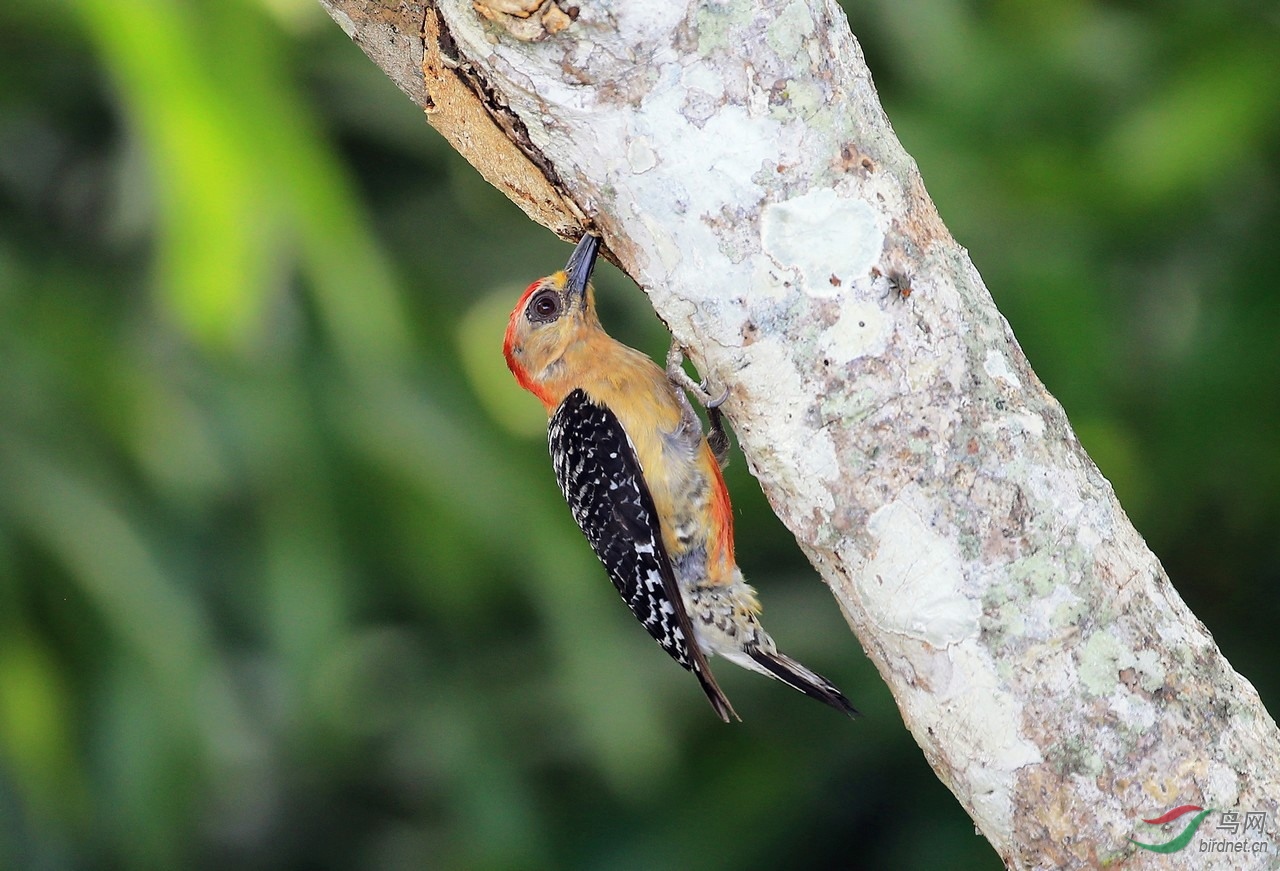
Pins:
x: 601, y: 478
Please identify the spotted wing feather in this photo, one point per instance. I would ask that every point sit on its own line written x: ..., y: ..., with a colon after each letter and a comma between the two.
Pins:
x: 600, y: 476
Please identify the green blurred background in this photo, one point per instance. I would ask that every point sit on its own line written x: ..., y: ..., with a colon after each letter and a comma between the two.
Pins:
x: 285, y: 580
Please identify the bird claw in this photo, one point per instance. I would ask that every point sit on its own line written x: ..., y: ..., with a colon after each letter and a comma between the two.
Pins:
x: 680, y: 378
x: 718, y: 401
x: 717, y: 438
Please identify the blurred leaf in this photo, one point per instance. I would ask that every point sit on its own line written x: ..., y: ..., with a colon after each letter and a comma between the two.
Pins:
x: 219, y: 233
x: 1196, y: 130
x: 36, y: 731
x: 242, y: 178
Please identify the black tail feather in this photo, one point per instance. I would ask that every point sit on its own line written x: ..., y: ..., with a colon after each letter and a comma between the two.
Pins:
x: 796, y: 676
x: 715, y: 695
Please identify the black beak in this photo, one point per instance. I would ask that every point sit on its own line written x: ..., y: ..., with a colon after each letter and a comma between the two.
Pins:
x: 580, y: 265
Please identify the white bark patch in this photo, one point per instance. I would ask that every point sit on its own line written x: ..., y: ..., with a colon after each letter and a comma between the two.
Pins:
x: 1224, y: 785
x: 918, y: 576
x: 1151, y: 674
x: 344, y: 21
x: 661, y: 242
x: 997, y: 366
x: 771, y: 368
x: 1031, y: 425
x: 863, y: 330
x: 1134, y: 711
x: 823, y: 235
x: 770, y: 281
x: 987, y: 722
x: 640, y: 155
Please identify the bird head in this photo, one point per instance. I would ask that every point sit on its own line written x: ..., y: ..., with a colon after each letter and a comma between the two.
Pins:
x: 552, y: 313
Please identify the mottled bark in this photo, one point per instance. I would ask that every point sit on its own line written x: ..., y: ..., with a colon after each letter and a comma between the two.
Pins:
x: 736, y: 160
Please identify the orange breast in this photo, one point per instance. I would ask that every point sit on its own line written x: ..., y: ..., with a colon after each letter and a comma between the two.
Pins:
x: 687, y: 487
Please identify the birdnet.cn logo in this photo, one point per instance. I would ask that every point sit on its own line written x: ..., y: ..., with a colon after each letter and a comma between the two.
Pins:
x: 1235, y: 832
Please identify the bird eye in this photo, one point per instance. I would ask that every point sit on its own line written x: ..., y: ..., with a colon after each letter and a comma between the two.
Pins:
x: 544, y: 307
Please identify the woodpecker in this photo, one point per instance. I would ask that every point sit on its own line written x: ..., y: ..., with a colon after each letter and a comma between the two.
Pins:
x: 643, y: 483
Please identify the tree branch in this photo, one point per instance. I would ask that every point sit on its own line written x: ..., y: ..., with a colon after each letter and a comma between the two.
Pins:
x: 736, y: 160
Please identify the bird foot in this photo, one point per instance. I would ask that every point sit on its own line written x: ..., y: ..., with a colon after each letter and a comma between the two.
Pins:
x: 680, y: 378
x: 717, y: 438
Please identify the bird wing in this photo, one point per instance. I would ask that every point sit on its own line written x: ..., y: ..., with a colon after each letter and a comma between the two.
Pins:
x: 600, y: 476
